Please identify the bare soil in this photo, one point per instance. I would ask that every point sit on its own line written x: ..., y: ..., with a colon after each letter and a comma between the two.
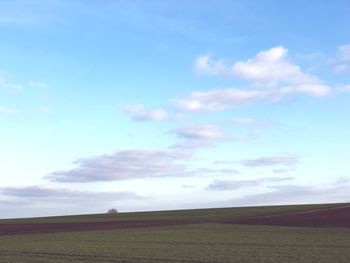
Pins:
x: 36, y: 228
x: 337, y: 217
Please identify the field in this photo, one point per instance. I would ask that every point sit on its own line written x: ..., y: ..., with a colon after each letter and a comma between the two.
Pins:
x: 255, y: 234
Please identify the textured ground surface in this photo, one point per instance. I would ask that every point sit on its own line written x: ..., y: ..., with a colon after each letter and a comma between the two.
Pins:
x: 214, y: 243
x: 32, y: 228
x: 328, y: 217
x: 333, y: 217
x: 289, y: 234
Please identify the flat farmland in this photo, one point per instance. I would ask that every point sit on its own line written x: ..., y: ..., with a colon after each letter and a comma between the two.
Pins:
x: 205, y: 235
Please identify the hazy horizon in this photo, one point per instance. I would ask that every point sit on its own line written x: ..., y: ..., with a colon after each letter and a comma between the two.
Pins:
x: 162, y: 105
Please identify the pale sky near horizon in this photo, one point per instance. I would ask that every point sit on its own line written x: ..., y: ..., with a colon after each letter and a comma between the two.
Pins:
x: 156, y: 105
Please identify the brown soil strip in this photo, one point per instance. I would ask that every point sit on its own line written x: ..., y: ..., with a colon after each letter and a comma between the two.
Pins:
x: 75, y: 256
x: 35, y: 228
x: 337, y: 217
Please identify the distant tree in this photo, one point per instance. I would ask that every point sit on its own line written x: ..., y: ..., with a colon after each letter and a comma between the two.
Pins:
x: 112, y: 211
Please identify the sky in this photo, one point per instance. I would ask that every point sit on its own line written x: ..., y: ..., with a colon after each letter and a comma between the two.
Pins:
x: 158, y: 105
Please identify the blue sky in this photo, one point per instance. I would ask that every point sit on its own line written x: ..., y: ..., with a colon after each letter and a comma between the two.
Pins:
x: 152, y: 105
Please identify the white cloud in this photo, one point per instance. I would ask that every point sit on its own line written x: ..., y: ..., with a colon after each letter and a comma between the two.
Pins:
x: 282, y: 171
x: 39, y: 192
x: 139, y: 113
x: 6, y: 110
x: 199, y: 136
x: 222, y: 171
x: 345, y: 89
x: 193, y: 144
x: 269, y: 67
x: 294, y: 194
x: 249, y: 122
x: 342, y: 61
x: 214, y: 100
x: 270, y: 72
x: 7, y: 85
x: 224, y: 162
x: 222, y: 185
x: 318, y: 90
x: 188, y: 186
x: 287, y: 160
x: 344, y: 52
x: 134, y: 164
x: 207, y: 132
x: 220, y: 99
x: 37, y: 84
x: 45, y: 200
x: 205, y: 65
x: 342, y: 181
x: 124, y: 165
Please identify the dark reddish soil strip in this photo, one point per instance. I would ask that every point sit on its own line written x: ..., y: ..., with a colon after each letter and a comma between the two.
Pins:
x: 70, y: 256
x: 329, y: 217
x: 35, y: 228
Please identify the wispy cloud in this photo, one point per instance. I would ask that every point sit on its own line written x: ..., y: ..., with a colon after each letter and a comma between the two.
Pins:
x: 135, y: 164
x: 124, y: 165
x: 346, y: 88
x: 205, y: 65
x: 222, y: 185
x: 6, y: 110
x: 206, y: 132
x: 249, y: 122
x: 283, y: 171
x: 271, y: 68
x: 138, y: 113
x: 294, y: 194
x: 215, y: 100
x: 193, y: 144
x: 220, y: 99
x: 270, y: 72
x: 268, y: 68
x: 38, y: 84
x: 342, y: 181
x: 342, y: 60
x: 224, y: 162
x: 47, y: 199
x: 218, y: 172
x: 8, y: 85
x: 287, y: 160
x: 39, y: 192
x: 199, y: 136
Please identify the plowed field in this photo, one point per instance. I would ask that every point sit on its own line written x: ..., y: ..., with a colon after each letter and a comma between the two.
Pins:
x: 33, y: 228
x: 328, y: 217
